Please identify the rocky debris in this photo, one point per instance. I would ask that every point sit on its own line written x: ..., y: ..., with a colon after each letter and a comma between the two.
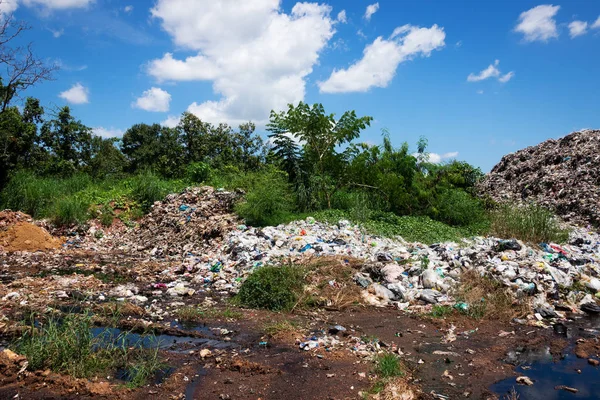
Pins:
x: 18, y: 233
x: 184, y: 222
x: 562, y: 174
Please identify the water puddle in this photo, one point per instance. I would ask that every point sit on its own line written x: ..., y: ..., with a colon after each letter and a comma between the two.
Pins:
x: 548, y: 374
x: 190, y: 389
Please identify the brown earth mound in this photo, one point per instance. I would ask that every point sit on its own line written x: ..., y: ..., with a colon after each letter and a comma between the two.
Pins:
x: 17, y: 233
x: 562, y: 174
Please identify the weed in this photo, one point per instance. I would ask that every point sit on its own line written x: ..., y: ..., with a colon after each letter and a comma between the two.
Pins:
x: 146, y: 189
x: 439, y: 311
x: 488, y: 298
x: 424, y: 263
x: 107, y: 215
x: 512, y: 395
x: 274, y: 288
x: 69, y: 211
x: 277, y: 328
x: 388, y: 366
x: 189, y: 314
x: 530, y: 223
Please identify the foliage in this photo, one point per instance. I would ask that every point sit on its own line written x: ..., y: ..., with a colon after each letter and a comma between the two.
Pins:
x: 268, y: 201
x: 274, y: 288
x: 70, y: 345
x: 439, y: 311
x: 388, y: 366
x: 70, y: 210
x: 147, y: 188
x: 530, y: 223
x: 198, y: 172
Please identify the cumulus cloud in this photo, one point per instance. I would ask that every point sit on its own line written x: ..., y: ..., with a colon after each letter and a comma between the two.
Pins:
x: 538, y: 24
x: 577, y: 28
x: 371, y: 9
x: 341, y: 17
x: 77, y: 94
x: 128, y: 9
x: 172, y: 121
x: 8, y: 6
x: 107, y: 132
x: 438, y: 158
x: 491, y: 71
x: 256, y: 56
x: 153, y: 99
x: 58, y: 4
x: 596, y: 24
x: 381, y: 58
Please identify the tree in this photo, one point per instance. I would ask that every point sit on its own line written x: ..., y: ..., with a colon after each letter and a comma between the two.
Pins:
x: 19, y: 67
x: 107, y: 160
x: 69, y: 142
x: 320, y: 135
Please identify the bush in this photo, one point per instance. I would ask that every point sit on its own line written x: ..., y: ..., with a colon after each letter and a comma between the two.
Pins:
x: 107, y: 215
x: 458, y: 208
x: 530, y: 223
x: 147, y: 188
x: 388, y: 366
x: 268, y: 201
x: 30, y: 194
x: 274, y: 288
x: 69, y: 210
x: 198, y: 172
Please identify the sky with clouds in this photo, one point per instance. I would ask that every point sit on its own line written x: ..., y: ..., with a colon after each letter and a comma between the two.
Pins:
x: 478, y: 79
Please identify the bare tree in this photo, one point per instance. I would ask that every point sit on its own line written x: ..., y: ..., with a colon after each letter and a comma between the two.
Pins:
x: 19, y: 67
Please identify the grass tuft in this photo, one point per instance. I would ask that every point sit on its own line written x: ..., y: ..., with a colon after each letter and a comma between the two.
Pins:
x: 275, y: 288
x: 530, y: 223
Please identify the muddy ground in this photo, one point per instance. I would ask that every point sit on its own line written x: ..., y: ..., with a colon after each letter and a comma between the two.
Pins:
x: 444, y: 358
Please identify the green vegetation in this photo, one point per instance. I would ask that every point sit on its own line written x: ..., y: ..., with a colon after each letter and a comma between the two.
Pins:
x: 190, y: 314
x: 276, y: 288
x: 439, y: 311
x: 69, y: 346
x: 277, y: 328
x: 530, y: 223
x: 388, y: 366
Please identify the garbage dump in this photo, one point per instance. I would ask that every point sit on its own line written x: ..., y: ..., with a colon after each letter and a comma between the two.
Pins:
x: 562, y: 174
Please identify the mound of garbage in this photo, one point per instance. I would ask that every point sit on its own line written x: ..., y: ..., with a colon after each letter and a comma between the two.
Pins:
x: 562, y: 174
x: 184, y: 222
x: 18, y: 233
x: 402, y: 273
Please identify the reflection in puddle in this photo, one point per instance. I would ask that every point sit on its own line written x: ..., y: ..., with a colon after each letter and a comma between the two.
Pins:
x: 547, y: 374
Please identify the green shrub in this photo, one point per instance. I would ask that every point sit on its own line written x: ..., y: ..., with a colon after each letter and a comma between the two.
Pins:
x: 458, y: 208
x: 70, y: 210
x: 530, y: 223
x: 268, y: 201
x: 388, y: 366
x: 274, y: 288
x: 147, y: 188
x: 106, y: 215
x: 198, y: 172
x: 30, y: 194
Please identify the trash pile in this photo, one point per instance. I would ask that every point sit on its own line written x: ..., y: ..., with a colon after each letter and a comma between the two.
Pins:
x: 562, y: 174
x: 18, y: 233
x: 183, y: 222
x: 404, y: 273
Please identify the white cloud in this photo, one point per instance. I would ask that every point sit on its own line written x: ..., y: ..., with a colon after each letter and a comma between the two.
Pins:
x: 154, y: 99
x: 8, y: 6
x: 491, y: 71
x: 480, y: 92
x: 107, y: 132
x: 381, y: 58
x: 459, y: 43
x: 172, y: 121
x: 128, y: 9
x: 341, y: 17
x: 256, y: 56
x: 78, y: 94
x: 596, y: 25
x: 438, y: 158
x: 577, y: 28
x: 538, y: 23
x: 57, y: 33
x: 371, y: 9
x: 58, y: 4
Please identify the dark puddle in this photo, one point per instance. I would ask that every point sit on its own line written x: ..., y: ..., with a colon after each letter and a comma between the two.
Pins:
x: 547, y: 374
x: 190, y: 389
x: 159, y: 377
x: 162, y: 341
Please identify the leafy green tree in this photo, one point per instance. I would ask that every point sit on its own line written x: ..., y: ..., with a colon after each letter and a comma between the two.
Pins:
x: 320, y: 134
x: 107, y: 160
x: 69, y: 142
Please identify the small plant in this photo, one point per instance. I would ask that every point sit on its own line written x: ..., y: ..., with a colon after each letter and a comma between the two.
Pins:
x: 70, y: 210
x: 424, y: 263
x: 530, y: 223
x: 439, y: 311
x: 388, y: 366
x: 198, y: 172
x: 146, y: 189
x: 106, y: 215
x: 274, y: 329
x: 276, y: 288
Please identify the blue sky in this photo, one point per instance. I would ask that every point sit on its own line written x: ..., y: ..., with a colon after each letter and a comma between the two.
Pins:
x: 478, y: 78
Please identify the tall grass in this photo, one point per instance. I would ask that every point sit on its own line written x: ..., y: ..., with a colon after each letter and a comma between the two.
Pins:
x: 530, y: 223
x: 274, y: 288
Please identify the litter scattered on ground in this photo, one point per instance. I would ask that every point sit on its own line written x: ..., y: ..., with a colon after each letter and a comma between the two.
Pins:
x: 562, y: 174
